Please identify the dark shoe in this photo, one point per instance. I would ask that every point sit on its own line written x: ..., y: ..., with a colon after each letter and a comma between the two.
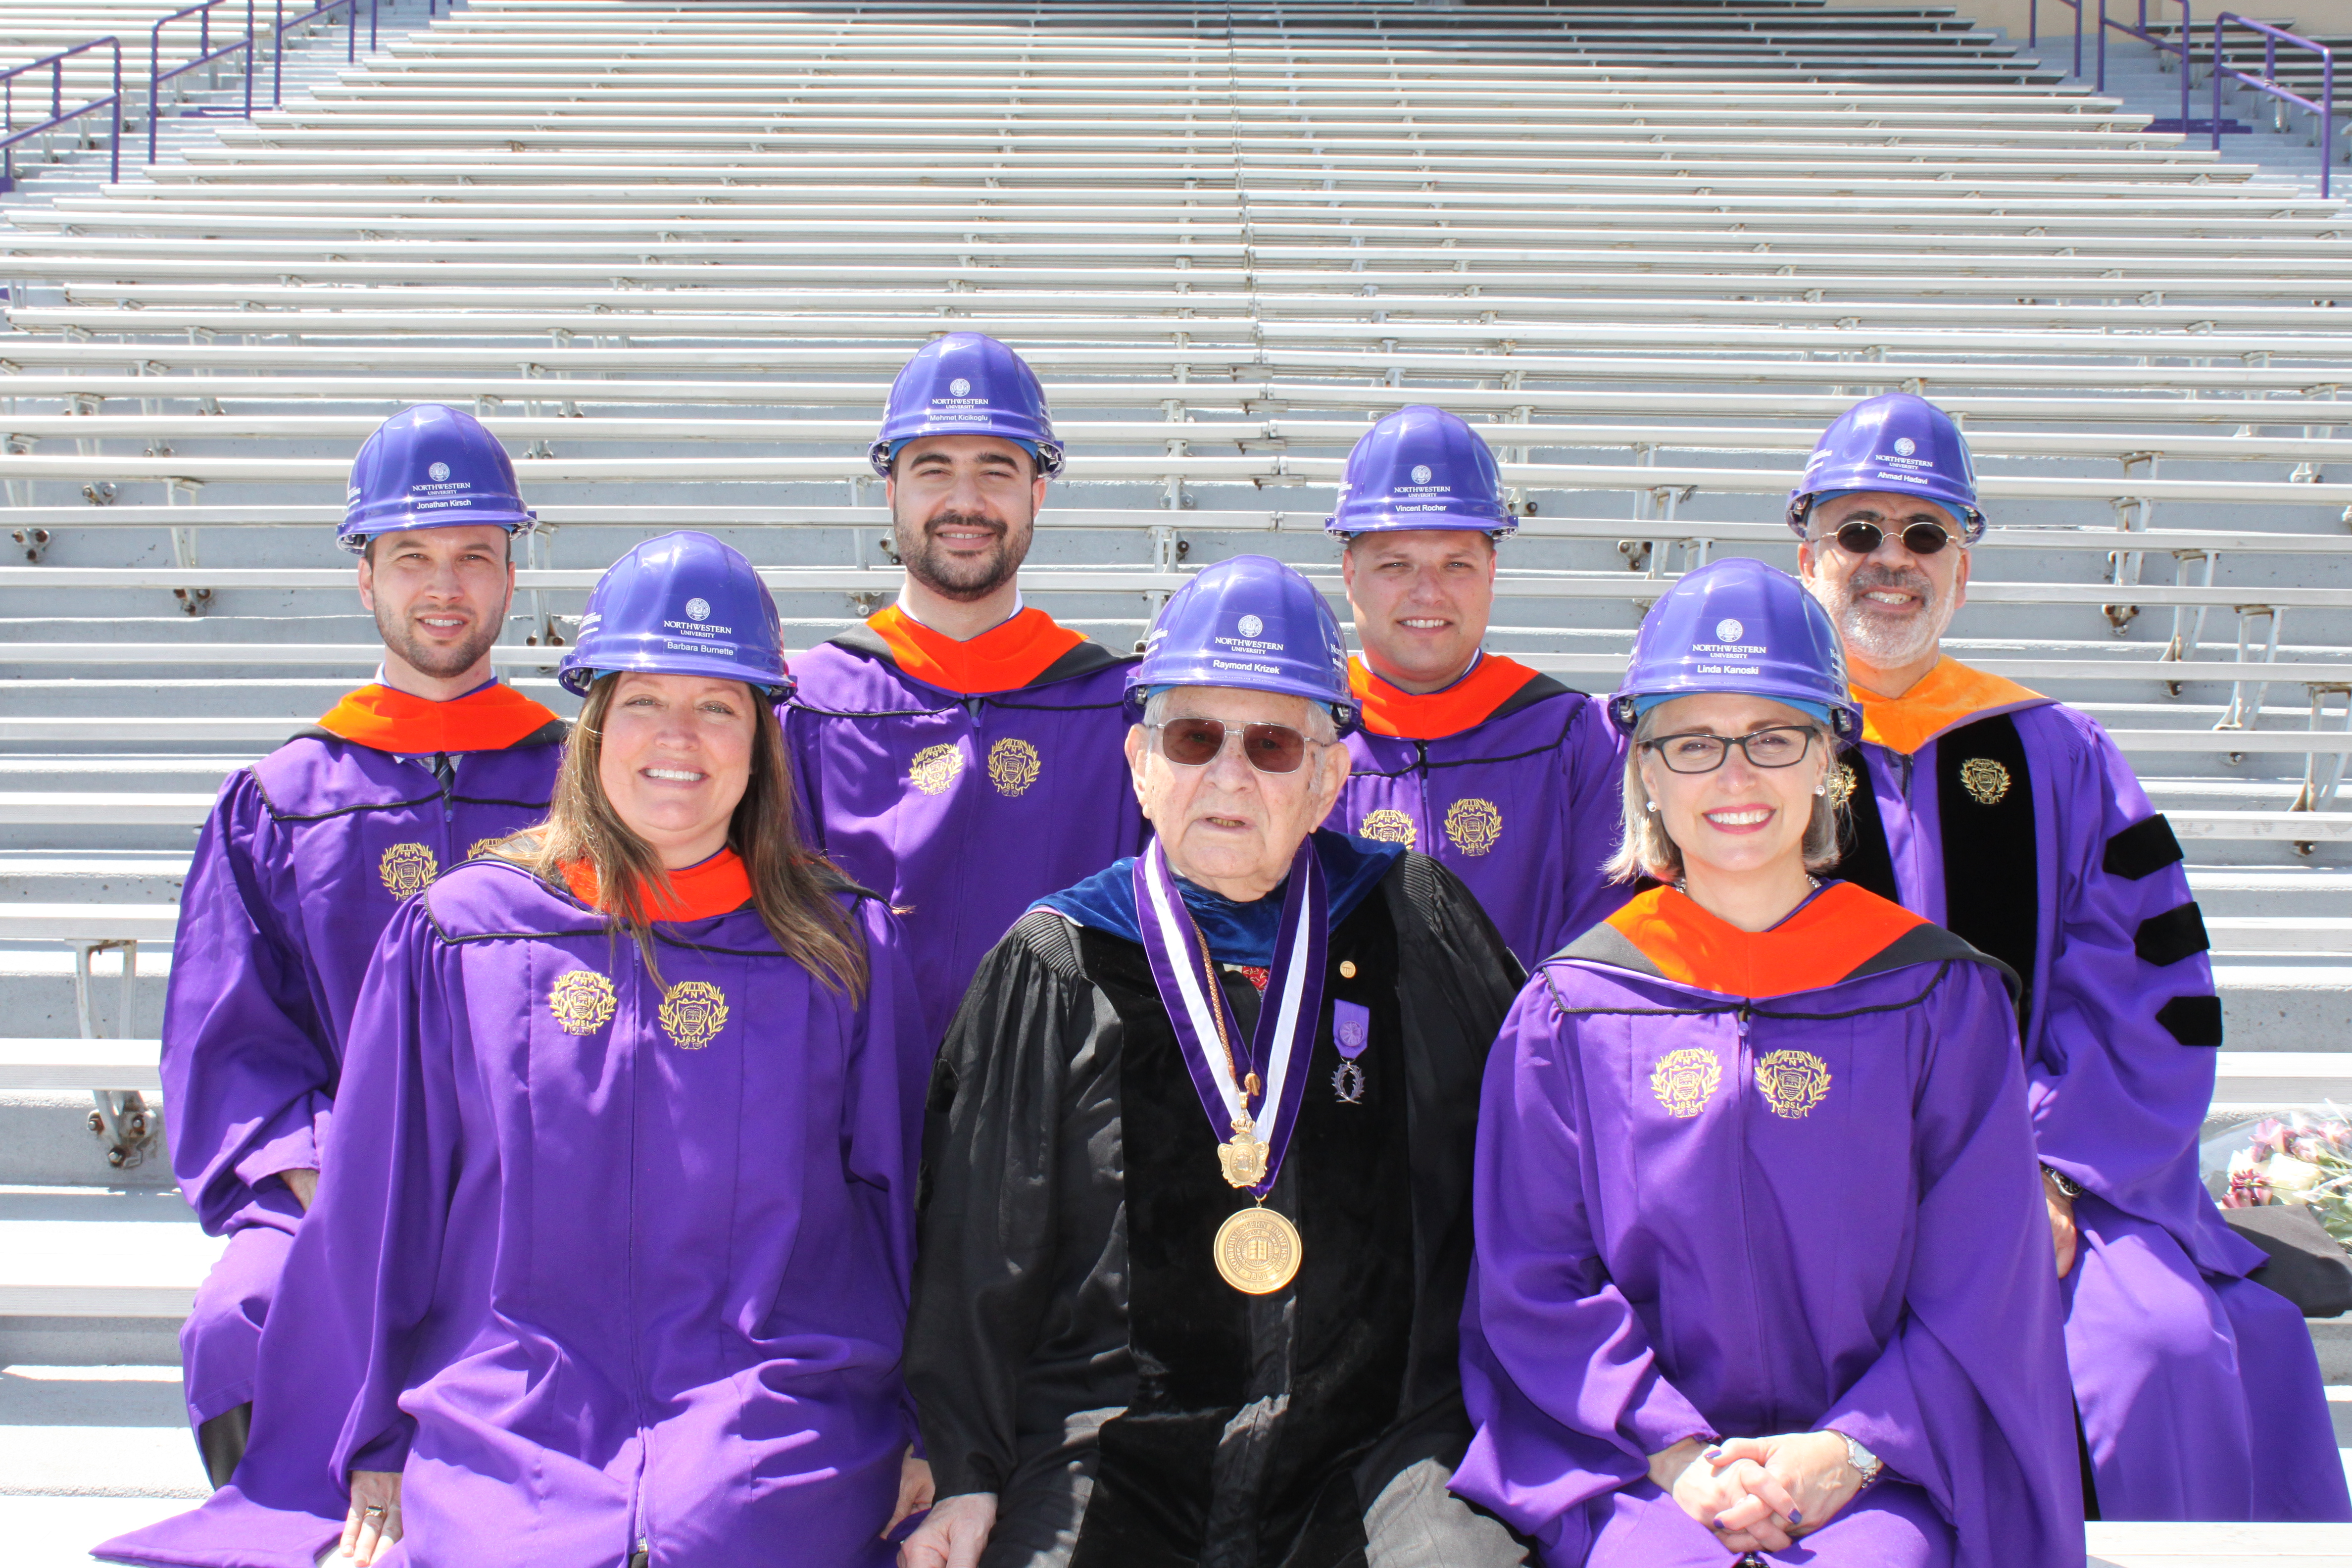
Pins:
x: 221, y: 1443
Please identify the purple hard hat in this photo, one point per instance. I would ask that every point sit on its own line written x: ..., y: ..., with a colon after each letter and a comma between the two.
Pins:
x: 1893, y: 442
x: 1421, y: 468
x: 967, y: 383
x: 684, y: 604
x: 1250, y: 622
x: 430, y: 465
x: 1737, y: 626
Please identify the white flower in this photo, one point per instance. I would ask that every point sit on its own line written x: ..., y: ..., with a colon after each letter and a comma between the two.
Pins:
x: 2285, y: 1175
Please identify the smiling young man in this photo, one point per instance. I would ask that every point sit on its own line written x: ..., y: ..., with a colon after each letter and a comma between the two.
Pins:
x: 958, y: 753
x: 2014, y: 821
x: 309, y: 852
x: 1506, y: 776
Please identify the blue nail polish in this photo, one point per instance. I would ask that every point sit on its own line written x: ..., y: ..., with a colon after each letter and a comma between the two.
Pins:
x: 1796, y: 1518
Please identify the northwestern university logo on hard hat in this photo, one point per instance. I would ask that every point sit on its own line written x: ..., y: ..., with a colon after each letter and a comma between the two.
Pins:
x: 1421, y: 473
x: 698, y: 609
x: 1250, y: 626
x: 1904, y: 446
x: 959, y: 387
x: 1729, y: 630
x: 439, y: 472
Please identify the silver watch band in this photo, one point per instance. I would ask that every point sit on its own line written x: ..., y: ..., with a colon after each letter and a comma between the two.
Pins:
x: 1865, y: 1464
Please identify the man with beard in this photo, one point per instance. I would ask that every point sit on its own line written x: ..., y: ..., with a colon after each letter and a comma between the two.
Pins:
x: 1507, y: 777
x: 309, y: 851
x: 957, y: 751
x: 2014, y: 821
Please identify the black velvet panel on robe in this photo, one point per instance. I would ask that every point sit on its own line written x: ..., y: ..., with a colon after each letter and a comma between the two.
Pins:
x: 1071, y: 1197
x: 1205, y: 1350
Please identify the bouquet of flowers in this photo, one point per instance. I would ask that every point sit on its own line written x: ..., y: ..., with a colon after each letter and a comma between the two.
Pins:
x: 2300, y: 1159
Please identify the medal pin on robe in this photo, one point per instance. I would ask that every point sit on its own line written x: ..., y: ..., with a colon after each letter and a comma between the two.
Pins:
x: 1257, y: 1249
x: 1351, y: 1031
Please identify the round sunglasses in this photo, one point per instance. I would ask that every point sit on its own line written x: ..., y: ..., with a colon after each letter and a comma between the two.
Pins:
x: 1195, y: 743
x: 1918, y: 537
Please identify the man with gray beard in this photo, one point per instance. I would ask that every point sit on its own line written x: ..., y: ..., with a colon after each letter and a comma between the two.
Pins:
x: 2014, y: 821
x: 958, y: 753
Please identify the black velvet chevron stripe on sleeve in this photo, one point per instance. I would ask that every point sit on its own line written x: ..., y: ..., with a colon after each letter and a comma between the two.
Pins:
x: 2193, y: 1020
x: 2171, y: 936
x: 2144, y: 848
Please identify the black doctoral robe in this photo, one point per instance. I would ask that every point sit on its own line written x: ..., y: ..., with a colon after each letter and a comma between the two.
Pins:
x: 1068, y: 1323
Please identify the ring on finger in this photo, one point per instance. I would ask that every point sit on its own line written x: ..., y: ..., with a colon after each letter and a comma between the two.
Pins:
x: 375, y: 1509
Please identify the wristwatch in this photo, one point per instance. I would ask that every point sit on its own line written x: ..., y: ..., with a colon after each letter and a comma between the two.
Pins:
x: 2068, y: 1188
x: 1865, y: 1464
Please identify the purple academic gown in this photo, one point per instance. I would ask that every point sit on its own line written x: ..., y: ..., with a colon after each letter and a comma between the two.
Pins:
x: 605, y: 1268
x: 1526, y: 808
x: 2199, y: 1390
x: 303, y: 862
x: 963, y: 810
x: 1679, y: 1237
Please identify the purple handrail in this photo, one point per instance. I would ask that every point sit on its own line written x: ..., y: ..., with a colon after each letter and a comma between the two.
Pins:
x: 2268, y: 82
x: 278, y: 38
x: 206, y: 54
x: 59, y: 113
x: 2185, y: 47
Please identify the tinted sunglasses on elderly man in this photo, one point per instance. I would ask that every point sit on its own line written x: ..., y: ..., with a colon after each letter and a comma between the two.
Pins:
x: 1918, y: 537
x: 1195, y: 743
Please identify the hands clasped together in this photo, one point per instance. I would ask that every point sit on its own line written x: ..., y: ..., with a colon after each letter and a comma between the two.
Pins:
x: 1758, y: 1494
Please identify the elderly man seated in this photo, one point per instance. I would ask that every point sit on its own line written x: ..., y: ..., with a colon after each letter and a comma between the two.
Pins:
x: 1196, y: 1225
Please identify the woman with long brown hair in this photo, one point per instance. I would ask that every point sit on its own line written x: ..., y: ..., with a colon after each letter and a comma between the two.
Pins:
x: 613, y: 1235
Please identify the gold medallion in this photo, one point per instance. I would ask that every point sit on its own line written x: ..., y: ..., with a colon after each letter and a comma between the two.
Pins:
x: 1243, y: 1157
x: 1685, y: 1080
x: 1986, y: 781
x: 692, y: 1014
x: 1473, y: 824
x: 935, y: 768
x: 1257, y: 1251
x: 1792, y: 1082
x: 582, y: 1001
x: 406, y: 869
x: 1012, y: 765
x: 1388, y: 826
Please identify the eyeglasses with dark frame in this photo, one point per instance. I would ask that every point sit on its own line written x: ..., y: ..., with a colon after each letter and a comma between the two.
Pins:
x: 1695, y: 751
x: 1919, y: 537
x: 1195, y: 743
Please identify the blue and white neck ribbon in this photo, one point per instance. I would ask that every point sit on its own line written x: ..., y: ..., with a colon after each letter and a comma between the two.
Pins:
x: 1279, y: 1048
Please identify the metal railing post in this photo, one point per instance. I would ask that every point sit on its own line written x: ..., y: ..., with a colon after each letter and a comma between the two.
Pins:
x: 2216, y: 74
x: 2268, y: 83
x: 59, y: 114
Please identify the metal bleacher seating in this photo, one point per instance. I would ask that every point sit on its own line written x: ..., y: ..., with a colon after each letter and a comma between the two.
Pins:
x: 674, y: 252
